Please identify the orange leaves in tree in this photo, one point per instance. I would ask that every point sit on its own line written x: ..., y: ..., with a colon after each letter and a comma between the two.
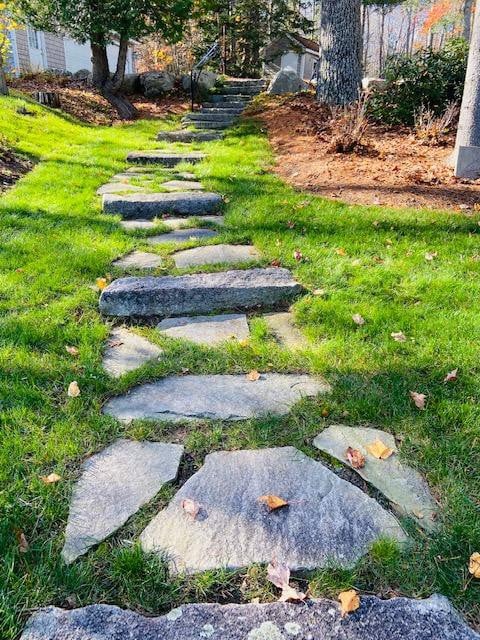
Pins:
x: 273, y: 502
x: 436, y: 13
x: 279, y: 575
x: 474, y: 565
x: 349, y: 601
x: 355, y: 458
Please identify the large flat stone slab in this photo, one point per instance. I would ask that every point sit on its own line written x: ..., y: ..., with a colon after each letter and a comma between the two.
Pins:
x: 138, y: 260
x: 328, y: 523
x: 165, y: 159
x: 132, y: 225
x: 113, y: 485
x: 283, y: 327
x: 151, y: 205
x: 401, y: 484
x: 206, y: 330
x: 215, y: 397
x: 215, y: 254
x: 182, y: 185
x: 117, y: 187
x: 126, y: 351
x: 182, y: 235
x: 181, y: 223
x: 396, y: 619
x: 184, y: 135
x: 198, y: 293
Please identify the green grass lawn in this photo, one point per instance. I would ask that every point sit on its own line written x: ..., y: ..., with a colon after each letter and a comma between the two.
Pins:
x: 54, y: 243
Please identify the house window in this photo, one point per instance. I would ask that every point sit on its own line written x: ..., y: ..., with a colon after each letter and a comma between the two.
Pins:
x: 33, y: 39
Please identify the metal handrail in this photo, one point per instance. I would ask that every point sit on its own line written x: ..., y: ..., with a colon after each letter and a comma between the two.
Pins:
x: 198, y: 67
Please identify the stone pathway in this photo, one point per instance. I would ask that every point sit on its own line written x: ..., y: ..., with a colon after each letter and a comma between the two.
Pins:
x: 207, y: 330
x: 151, y: 205
x: 283, y: 327
x: 215, y: 254
x: 138, y: 260
x: 163, y: 158
x: 182, y: 235
x: 126, y: 351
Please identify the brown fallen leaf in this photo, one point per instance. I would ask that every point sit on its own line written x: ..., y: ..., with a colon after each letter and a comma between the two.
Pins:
x: 319, y: 292
x: 73, y: 351
x: 419, y: 399
x: 349, y: 601
x: 191, y: 507
x: 358, y: 319
x: 399, y: 336
x: 21, y: 541
x: 298, y: 255
x: 290, y: 594
x: 253, y: 376
x: 355, y: 458
x: 340, y: 251
x: 273, y: 502
x: 101, y: 283
x: 429, y: 256
x: 275, y: 263
x: 73, y: 390
x: 379, y: 450
x: 474, y: 565
x: 51, y: 478
x: 279, y: 575
x: 451, y: 376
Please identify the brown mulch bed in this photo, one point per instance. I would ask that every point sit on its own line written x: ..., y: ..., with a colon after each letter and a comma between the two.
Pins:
x: 393, y: 167
x: 12, y: 167
x: 82, y: 102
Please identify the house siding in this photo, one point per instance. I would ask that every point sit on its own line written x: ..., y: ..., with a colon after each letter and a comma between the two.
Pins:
x: 55, y: 51
x: 22, y: 49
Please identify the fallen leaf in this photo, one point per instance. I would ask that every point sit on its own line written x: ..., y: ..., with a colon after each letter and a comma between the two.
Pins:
x: 399, y: 336
x: 355, y: 458
x: 349, y: 601
x: 73, y: 351
x: 474, y: 565
x: 273, y: 502
x: 253, y: 376
x: 358, y: 319
x: 101, y: 283
x: 290, y: 594
x: 319, y: 292
x: 340, y: 252
x: 418, y: 399
x: 191, y: 507
x: 73, y: 389
x: 275, y: 263
x: 451, y: 376
x: 51, y: 478
x: 379, y: 450
x: 290, y: 224
x: 279, y: 575
x: 298, y: 255
x: 430, y: 256
x: 21, y: 541
x: 115, y: 343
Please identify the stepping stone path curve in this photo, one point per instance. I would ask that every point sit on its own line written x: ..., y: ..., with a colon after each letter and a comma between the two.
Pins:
x: 182, y: 235
x: 126, y: 351
x: 138, y: 260
x: 215, y: 254
x: 151, y: 205
x: 207, y: 330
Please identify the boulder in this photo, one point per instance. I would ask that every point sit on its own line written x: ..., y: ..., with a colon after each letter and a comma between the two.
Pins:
x: 373, y: 84
x: 82, y: 74
x: 206, y: 81
x: 155, y: 84
x: 131, y: 83
x: 286, y: 81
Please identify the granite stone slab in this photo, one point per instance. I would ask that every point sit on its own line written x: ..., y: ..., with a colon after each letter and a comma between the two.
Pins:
x: 113, y: 485
x: 182, y: 223
x: 199, y: 293
x: 132, y: 225
x: 206, y: 330
x: 215, y: 397
x: 118, y: 187
x: 328, y: 523
x: 283, y: 327
x: 184, y: 135
x: 151, y: 205
x: 401, y: 484
x: 126, y: 351
x: 397, y: 619
x: 182, y: 235
x: 164, y: 158
x: 215, y: 254
x: 138, y: 260
x: 182, y: 185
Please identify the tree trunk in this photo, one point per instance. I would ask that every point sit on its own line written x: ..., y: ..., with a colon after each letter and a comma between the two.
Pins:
x: 366, y: 40
x: 382, y: 38
x: 3, y: 79
x: 107, y: 86
x: 340, y: 65
x: 467, y: 19
x: 468, y: 133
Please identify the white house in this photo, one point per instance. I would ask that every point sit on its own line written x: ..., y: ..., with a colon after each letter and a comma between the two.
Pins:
x: 33, y: 50
x: 292, y: 51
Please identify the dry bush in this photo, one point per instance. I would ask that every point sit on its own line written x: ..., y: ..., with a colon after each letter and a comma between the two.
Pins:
x: 348, y: 125
x: 436, y: 130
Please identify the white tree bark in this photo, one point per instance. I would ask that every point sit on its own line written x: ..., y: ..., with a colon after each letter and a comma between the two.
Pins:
x: 340, y: 65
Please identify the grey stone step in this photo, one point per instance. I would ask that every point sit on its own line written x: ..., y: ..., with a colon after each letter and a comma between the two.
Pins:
x: 207, y: 124
x: 328, y: 523
x: 215, y: 254
x: 199, y: 293
x: 138, y: 260
x: 182, y: 223
x: 150, y: 205
x: 182, y: 235
x: 197, y: 116
x: 126, y: 351
x: 214, y: 397
x: 118, y: 187
x: 401, y: 484
x: 163, y: 158
x: 283, y: 327
x: 245, y: 82
x: 234, y: 111
x: 206, y: 330
x: 240, y: 90
x: 240, y: 106
x: 396, y: 619
x: 182, y: 185
x: 113, y: 485
x: 188, y: 136
x: 219, y: 97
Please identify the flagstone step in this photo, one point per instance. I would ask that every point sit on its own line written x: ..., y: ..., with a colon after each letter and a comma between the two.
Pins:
x: 151, y: 205
x: 182, y: 235
x: 138, y: 260
x: 126, y: 351
x: 401, y: 484
x: 206, y: 330
x: 118, y: 187
x: 245, y: 82
x: 228, y: 109
x: 240, y: 90
x: 199, y: 293
x: 230, y: 104
x: 215, y: 254
x: 209, y: 117
x: 113, y: 485
x: 283, y: 327
x: 182, y: 223
x: 165, y: 159
x: 218, y: 97
x: 214, y: 397
x: 328, y: 522
x: 132, y: 225
x: 188, y: 136
x: 182, y: 185
x: 397, y: 619
x: 207, y: 124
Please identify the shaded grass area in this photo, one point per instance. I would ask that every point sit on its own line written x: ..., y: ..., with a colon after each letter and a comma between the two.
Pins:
x: 55, y: 242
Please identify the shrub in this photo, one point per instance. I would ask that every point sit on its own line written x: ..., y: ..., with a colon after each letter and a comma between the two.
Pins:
x: 424, y: 80
x: 435, y: 130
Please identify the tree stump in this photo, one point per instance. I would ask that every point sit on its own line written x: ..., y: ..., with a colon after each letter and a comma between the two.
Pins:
x: 48, y: 99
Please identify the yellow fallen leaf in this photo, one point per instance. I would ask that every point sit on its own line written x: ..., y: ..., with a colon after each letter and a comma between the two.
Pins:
x: 474, y: 565
x: 253, y: 376
x: 340, y: 252
x: 51, y: 478
x: 273, y: 502
x: 73, y: 389
x: 379, y: 450
x: 101, y: 283
x: 349, y: 601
